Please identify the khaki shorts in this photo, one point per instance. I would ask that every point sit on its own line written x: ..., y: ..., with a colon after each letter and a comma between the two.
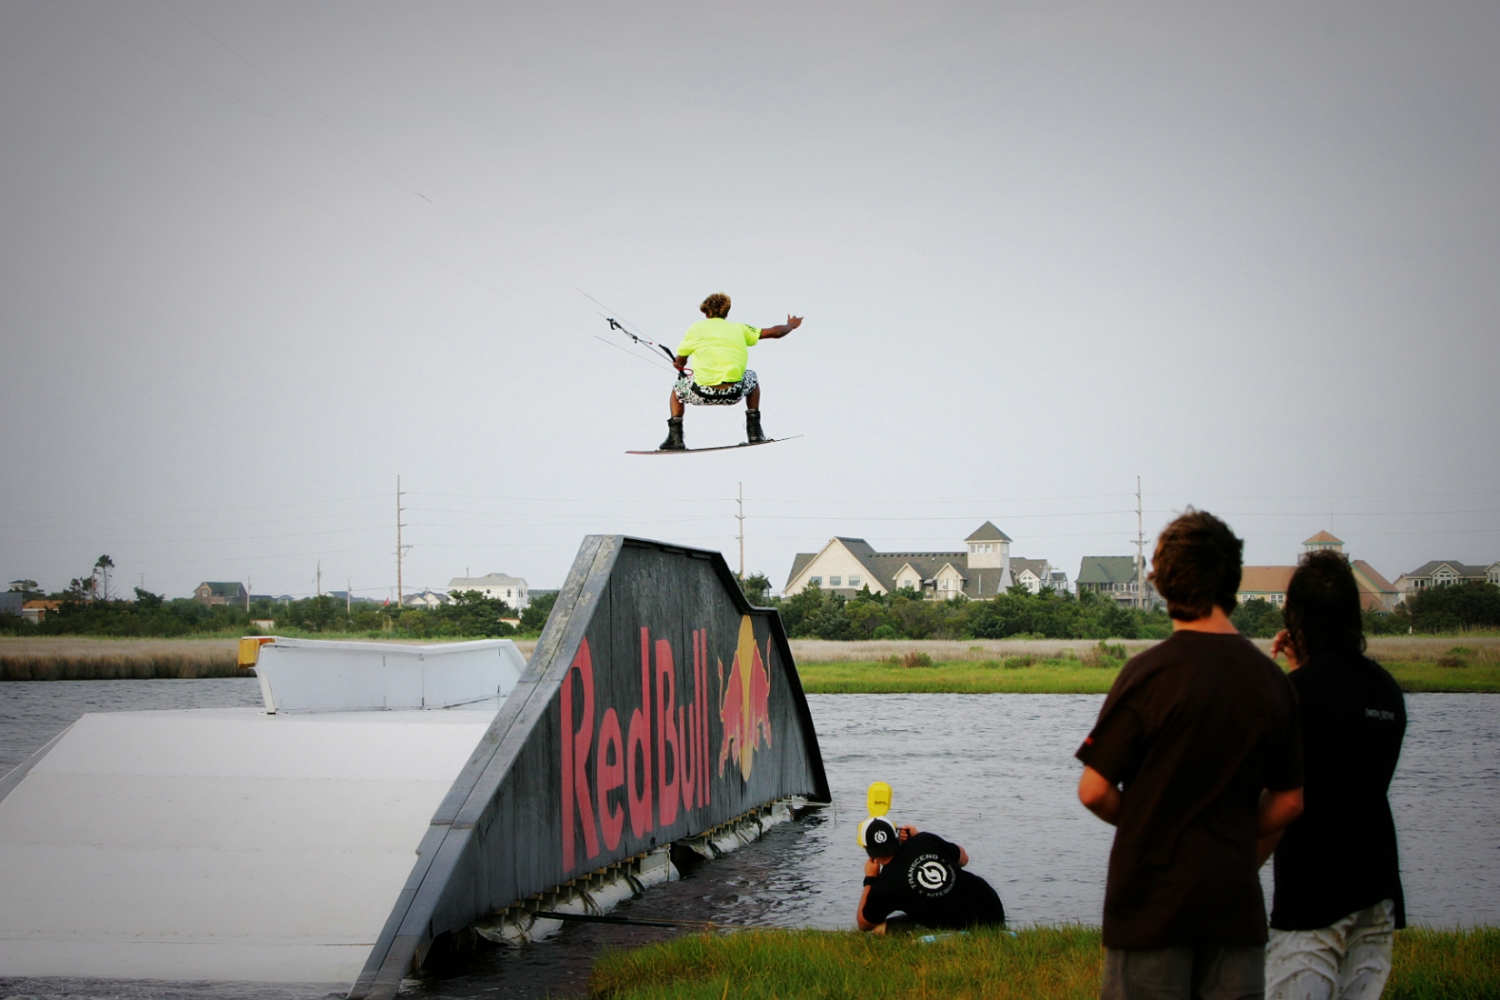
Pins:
x: 1188, y: 972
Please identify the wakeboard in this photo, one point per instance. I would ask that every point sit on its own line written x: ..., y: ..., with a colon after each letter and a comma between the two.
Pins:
x: 721, y: 447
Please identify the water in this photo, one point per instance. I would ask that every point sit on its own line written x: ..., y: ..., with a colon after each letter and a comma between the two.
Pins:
x: 994, y: 773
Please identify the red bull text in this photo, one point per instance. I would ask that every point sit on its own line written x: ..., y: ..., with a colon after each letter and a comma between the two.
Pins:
x: 654, y: 765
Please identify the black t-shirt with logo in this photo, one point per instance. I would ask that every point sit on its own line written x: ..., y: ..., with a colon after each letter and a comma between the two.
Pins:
x: 1194, y: 728
x: 1339, y: 856
x: 925, y: 882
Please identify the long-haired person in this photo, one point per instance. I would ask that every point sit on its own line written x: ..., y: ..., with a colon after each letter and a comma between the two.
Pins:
x: 1338, y: 884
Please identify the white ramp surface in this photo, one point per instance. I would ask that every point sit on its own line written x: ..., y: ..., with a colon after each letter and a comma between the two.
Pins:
x: 222, y: 844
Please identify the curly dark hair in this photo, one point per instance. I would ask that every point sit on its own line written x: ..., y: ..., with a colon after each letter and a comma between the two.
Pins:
x: 1196, y: 566
x: 1322, y: 612
x: 716, y: 306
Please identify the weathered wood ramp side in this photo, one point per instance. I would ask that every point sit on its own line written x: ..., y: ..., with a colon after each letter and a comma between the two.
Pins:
x: 657, y: 705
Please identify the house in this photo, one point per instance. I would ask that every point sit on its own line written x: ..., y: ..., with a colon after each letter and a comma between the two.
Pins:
x: 428, y: 599
x: 36, y: 611
x: 510, y: 589
x: 1444, y: 573
x: 1035, y: 574
x: 1376, y: 593
x: 1269, y: 583
x: 1265, y: 583
x: 982, y: 569
x: 1115, y: 577
x: 211, y: 593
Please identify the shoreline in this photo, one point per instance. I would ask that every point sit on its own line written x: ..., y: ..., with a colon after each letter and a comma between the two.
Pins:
x: 1459, y: 664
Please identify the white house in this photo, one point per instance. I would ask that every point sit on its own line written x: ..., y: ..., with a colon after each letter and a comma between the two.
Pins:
x: 1034, y: 574
x: 510, y: 589
x: 980, y: 570
x: 1444, y: 573
x: 428, y: 599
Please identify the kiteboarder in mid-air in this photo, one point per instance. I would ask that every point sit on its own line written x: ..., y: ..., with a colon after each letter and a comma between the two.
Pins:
x: 718, y: 350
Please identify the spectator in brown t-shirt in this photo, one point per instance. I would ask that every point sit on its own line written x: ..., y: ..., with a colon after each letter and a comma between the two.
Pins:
x: 1195, y: 758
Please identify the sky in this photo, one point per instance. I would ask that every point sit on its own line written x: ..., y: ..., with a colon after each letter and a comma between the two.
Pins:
x: 259, y: 260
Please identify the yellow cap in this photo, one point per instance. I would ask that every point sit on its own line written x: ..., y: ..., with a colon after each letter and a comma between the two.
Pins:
x: 878, y: 798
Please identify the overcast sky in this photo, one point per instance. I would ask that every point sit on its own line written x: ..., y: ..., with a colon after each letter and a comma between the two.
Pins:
x: 257, y: 260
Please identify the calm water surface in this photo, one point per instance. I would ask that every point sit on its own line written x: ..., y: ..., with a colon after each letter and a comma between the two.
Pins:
x: 992, y: 772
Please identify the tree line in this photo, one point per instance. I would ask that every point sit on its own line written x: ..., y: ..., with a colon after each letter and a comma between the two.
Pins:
x: 814, y: 613
x: 818, y: 614
x: 468, y: 614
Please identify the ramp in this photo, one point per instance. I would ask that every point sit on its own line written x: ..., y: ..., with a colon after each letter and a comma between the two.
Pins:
x: 657, y: 706
x: 223, y: 844
x: 242, y: 844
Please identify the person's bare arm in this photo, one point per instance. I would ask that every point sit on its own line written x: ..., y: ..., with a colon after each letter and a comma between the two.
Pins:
x: 1277, y: 810
x: 963, y: 858
x: 871, y: 869
x: 1099, y: 795
x: 1283, y: 645
x: 680, y: 361
x: 773, y: 332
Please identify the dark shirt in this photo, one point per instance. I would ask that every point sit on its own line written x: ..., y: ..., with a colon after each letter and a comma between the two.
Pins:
x: 1194, y: 728
x: 925, y: 882
x: 1339, y: 856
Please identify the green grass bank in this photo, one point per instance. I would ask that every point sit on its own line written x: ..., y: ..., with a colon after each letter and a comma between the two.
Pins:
x: 1468, y: 663
x: 1046, y: 963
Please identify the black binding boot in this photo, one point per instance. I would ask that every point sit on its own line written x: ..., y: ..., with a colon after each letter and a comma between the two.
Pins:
x: 752, y: 427
x: 674, y: 436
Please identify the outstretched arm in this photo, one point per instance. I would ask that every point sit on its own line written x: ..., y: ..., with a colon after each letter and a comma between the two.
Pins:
x: 773, y: 332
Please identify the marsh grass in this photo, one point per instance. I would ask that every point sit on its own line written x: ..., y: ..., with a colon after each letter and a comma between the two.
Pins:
x: 1040, y: 963
x: 79, y: 658
x: 70, y: 658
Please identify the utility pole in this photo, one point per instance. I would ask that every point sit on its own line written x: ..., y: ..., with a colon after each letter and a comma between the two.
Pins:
x: 320, y: 578
x: 741, y: 518
x: 348, y: 595
x: 249, y: 586
x: 1140, y: 549
x: 400, y: 549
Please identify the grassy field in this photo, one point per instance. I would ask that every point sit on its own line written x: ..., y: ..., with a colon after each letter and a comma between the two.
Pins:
x: 1043, y: 963
x: 1419, y: 663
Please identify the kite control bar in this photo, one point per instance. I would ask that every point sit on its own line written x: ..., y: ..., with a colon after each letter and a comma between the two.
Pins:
x: 615, y: 324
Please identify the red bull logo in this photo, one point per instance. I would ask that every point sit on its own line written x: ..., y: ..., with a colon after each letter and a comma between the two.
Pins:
x: 645, y: 768
x: 745, y: 711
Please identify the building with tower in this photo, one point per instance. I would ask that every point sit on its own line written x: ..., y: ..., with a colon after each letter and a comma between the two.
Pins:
x: 980, y: 570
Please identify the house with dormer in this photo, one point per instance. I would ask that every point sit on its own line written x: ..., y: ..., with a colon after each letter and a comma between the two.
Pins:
x: 978, y: 571
x: 1444, y: 573
x: 1037, y: 574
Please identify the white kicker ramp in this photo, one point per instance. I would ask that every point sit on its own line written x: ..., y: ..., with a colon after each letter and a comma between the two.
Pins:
x: 237, y: 844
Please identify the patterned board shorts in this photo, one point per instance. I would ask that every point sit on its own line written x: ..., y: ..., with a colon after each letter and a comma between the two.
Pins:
x: 720, y: 395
